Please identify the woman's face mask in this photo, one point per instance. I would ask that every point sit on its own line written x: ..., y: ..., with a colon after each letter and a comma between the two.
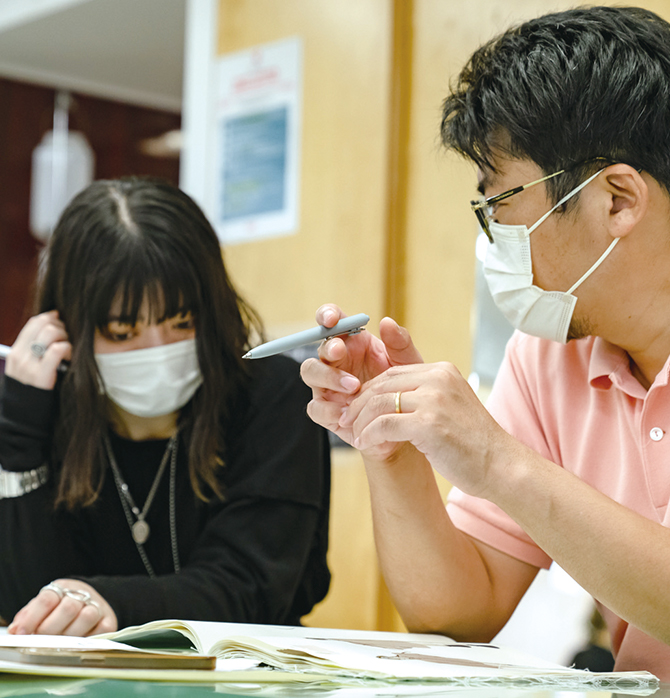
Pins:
x: 508, y: 271
x: 151, y: 382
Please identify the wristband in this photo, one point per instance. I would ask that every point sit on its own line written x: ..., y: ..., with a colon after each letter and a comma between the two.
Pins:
x: 13, y: 484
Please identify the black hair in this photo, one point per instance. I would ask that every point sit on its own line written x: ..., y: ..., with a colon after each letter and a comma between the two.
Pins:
x: 132, y: 240
x: 565, y: 88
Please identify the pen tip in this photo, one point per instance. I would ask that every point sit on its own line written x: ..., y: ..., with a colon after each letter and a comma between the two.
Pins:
x: 247, y: 355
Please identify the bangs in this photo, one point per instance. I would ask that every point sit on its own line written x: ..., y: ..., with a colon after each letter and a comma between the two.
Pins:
x: 167, y: 284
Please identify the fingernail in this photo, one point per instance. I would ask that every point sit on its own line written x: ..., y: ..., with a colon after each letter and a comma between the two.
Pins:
x: 349, y: 383
x: 343, y: 418
x: 17, y: 630
x: 329, y: 315
x: 357, y: 442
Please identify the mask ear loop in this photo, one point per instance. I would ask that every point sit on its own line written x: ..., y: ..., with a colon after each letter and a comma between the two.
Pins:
x: 595, y: 266
x: 563, y: 200
x: 603, y: 256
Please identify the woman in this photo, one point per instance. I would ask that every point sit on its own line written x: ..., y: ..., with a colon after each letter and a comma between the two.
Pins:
x: 147, y: 470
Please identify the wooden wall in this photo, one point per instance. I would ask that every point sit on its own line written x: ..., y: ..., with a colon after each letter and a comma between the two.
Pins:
x: 114, y: 131
x: 338, y: 251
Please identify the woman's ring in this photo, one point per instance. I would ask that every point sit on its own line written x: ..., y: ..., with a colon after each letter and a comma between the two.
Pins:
x: 78, y: 595
x: 397, y: 403
x: 97, y: 608
x: 57, y: 589
x: 38, y: 349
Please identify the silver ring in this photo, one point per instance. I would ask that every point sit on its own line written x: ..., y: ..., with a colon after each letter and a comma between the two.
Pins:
x: 97, y: 608
x: 57, y: 589
x: 38, y: 349
x: 78, y: 595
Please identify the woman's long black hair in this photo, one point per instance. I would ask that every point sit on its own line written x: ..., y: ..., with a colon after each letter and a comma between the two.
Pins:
x: 132, y: 240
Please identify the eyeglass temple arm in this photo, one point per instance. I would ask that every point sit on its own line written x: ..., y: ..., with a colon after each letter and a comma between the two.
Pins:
x: 476, y: 205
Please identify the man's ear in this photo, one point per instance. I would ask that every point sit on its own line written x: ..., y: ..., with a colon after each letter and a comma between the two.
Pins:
x: 627, y: 198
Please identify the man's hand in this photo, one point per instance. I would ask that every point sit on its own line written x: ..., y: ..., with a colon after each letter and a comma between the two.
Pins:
x: 345, y: 363
x: 432, y: 407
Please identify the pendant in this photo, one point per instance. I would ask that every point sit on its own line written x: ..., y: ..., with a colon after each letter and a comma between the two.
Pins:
x: 141, y: 531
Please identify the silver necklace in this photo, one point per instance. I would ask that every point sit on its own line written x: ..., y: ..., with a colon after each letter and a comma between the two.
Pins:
x: 139, y: 528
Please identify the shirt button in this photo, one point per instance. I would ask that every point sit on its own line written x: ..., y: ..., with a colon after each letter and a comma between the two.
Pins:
x: 656, y: 434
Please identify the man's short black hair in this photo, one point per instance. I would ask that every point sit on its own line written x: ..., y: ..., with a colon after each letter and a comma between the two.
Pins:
x: 564, y: 88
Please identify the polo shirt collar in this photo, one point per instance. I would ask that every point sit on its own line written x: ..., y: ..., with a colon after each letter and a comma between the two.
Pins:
x: 610, y: 366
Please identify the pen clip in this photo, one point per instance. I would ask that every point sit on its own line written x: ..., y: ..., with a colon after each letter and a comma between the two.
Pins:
x: 355, y: 330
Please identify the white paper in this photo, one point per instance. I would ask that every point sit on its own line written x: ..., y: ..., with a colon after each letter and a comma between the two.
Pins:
x: 61, y: 642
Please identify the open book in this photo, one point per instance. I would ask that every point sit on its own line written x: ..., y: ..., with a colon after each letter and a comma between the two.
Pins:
x: 337, y: 655
x: 265, y: 654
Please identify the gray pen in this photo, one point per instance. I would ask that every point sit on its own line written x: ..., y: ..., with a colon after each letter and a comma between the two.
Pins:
x: 4, y: 350
x: 347, y: 325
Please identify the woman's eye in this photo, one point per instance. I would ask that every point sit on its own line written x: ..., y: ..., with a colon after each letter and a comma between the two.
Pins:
x: 187, y: 323
x: 118, y: 334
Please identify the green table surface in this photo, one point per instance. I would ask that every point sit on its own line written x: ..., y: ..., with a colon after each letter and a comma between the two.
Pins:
x: 27, y: 686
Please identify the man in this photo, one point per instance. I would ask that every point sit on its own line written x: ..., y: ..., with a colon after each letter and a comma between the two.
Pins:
x: 568, y: 119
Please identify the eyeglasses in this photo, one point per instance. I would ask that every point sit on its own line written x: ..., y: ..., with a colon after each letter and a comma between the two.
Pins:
x: 483, y: 209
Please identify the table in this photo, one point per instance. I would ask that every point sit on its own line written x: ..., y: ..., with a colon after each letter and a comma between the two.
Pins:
x: 31, y: 687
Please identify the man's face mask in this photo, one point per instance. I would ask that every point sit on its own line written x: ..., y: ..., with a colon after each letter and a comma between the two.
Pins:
x: 508, y: 271
x: 151, y: 382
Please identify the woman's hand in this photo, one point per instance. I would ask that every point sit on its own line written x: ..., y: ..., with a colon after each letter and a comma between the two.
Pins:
x: 38, y: 351
x: 65, y: 607
x: 345, y: 363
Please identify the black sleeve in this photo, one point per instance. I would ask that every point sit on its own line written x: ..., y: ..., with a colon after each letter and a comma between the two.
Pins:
x: 35, y: 545
x: 261, y: 556
x: 26, y: 418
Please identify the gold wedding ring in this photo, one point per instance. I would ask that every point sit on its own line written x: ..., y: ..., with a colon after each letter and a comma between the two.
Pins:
x: 398, y: 410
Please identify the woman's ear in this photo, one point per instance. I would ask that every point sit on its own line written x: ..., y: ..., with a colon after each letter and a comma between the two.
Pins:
x: 627, y: 198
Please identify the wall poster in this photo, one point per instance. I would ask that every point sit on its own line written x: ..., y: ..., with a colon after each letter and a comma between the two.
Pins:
x: 257, y: 140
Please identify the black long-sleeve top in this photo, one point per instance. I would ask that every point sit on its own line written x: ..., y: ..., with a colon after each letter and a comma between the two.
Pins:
x: 258, y: 557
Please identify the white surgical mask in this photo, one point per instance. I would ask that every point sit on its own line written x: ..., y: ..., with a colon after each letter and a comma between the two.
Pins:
x: 508, y: 270
x: 151, y: 382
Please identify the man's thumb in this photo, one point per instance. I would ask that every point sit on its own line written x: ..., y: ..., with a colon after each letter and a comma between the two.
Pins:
x: 399, y: 345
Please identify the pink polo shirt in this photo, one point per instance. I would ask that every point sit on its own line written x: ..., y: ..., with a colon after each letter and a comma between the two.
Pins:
x: 579, y: 406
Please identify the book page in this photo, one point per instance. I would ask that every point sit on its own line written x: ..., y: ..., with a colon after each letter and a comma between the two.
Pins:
x: 205, y: 635
x: 60, y: 642
x: 402, y: 659
x: 339, y: 655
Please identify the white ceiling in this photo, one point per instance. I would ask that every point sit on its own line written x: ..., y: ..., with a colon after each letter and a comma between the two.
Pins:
x: 127, y: 50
